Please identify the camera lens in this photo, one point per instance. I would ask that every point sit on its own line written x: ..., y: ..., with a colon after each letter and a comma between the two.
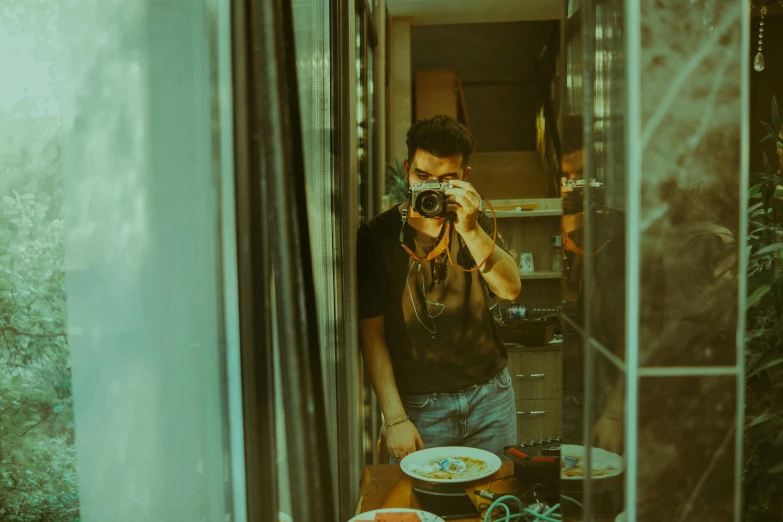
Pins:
x: 431, y: 203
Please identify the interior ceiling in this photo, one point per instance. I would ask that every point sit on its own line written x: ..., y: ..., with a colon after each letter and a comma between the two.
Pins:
x: 428, y: 12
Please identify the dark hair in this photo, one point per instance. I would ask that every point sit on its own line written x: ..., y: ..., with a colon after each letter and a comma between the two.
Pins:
x: 441, y: 136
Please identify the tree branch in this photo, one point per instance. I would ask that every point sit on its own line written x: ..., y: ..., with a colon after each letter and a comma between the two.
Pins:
x: 36, y: 424
x: 14, y: 330
x: 8, y: 347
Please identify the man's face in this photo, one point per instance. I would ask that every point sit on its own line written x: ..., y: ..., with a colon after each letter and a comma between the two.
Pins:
x: 427, y: 166
x: 572, y: 164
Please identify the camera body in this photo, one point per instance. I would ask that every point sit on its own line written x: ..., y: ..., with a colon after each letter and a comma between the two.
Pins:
x: 428, y: 198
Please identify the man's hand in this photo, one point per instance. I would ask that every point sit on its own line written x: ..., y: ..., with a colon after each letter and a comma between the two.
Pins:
x: 403, y: 439
x: 465, y: 202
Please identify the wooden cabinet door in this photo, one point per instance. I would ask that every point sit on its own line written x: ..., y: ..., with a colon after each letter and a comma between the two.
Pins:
x: 538, y: 419
x: 536, y: 374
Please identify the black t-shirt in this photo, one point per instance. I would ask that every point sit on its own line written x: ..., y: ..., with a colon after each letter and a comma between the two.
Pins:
x: 445, y: 341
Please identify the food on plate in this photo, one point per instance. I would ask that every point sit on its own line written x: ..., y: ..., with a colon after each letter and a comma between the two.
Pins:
x: 451, y: 468
x: 391, y: 516
x: 453, y: 465
x: 574, y: 466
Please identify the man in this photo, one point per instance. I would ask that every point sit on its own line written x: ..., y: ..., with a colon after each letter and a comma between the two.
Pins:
x: 605, y: 300
x: 432, y: 348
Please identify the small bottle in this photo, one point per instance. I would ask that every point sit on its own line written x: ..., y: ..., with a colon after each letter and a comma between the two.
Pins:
x: 557, y: 254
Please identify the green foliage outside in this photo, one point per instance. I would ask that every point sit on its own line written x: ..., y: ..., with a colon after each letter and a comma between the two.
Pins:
x: 763, y: 476
x: 396, y: 186
x: 37, y: 453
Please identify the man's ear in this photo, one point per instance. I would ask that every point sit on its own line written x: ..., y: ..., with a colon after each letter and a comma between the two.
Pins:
x: 465, y: 174
x: 407, y: 167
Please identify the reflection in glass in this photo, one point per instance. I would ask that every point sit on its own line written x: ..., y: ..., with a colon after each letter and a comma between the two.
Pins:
x: 312, y: 43
x: 113, y: 332
x: 594, y: 228
x: 681, y: 303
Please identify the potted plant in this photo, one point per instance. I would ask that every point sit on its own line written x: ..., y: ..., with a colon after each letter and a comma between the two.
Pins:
x: 763, y: 474
x: 396, y: 184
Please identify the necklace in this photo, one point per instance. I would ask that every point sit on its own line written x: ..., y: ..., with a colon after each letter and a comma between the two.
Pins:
x: 427, y: 303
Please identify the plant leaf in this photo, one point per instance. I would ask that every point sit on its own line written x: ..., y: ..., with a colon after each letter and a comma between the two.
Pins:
x: 775, y: 114
x: 766, y: 366
x: 767, y: 249
x: 767, y: 126
x: 767, y: 166
x: 764, y: 417
x: 756, y: 296
x: 776, y: 469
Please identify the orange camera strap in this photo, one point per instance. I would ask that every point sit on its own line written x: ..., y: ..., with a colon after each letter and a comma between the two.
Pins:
x: 438, y: 250
x: 443, y: 244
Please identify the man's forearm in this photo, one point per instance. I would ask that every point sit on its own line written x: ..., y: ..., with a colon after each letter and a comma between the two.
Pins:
x: 500, y: 271
x: 379, y: 366
x: 615, y: 400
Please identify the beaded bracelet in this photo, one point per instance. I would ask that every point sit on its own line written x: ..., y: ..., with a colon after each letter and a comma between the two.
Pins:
x: 389, y: 425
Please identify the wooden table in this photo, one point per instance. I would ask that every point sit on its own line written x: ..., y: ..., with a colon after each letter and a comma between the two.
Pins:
x: 386, y: 486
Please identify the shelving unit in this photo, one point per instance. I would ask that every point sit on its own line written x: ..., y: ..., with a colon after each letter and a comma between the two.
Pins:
x: 524, y: 208
x: 541, y: 275
x: 530, y: 225
x: 527, y: 213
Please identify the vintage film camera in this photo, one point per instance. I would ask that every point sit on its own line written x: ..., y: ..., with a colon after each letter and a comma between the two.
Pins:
x: 428, y: 198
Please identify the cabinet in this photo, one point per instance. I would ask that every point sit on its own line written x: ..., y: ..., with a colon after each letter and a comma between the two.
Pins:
x: 533, y: 226
x: 537, y: 377
x: 516, y: 185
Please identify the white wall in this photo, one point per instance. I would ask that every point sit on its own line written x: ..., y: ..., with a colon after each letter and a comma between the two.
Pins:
x: 399, y: 115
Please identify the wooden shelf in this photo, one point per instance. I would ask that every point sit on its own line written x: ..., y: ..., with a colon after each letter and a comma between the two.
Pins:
x: 541, y: 275
x: 522, y: 208
x: 526, y: 213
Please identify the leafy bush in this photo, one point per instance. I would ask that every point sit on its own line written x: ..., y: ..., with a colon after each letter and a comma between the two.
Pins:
x: 763, y: 477
x: 37, y: 453
x: 396, y: 185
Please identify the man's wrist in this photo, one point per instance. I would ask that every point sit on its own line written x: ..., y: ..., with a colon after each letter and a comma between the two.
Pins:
x: 473, y: 233
x: 394, y: 416
x: 397, y: 422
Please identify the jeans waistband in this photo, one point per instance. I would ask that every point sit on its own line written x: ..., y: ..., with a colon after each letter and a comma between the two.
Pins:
x: 489, y: 381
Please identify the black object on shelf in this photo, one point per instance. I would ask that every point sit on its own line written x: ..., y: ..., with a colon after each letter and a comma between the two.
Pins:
x: 528, y: 332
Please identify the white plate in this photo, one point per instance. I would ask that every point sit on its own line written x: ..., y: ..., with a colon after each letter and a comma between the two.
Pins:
x: 423, y: 515
x: 620, y: 517
x: 490, y: 463
x: 601, y: 458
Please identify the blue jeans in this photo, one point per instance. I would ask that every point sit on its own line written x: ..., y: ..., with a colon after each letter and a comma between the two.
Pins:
x: 482, y: 416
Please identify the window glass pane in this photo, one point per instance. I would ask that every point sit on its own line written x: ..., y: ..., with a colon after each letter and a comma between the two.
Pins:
x: 312, y: 34
x: 362, y: 123
x: 573, y: 102
x: 113, y: 327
